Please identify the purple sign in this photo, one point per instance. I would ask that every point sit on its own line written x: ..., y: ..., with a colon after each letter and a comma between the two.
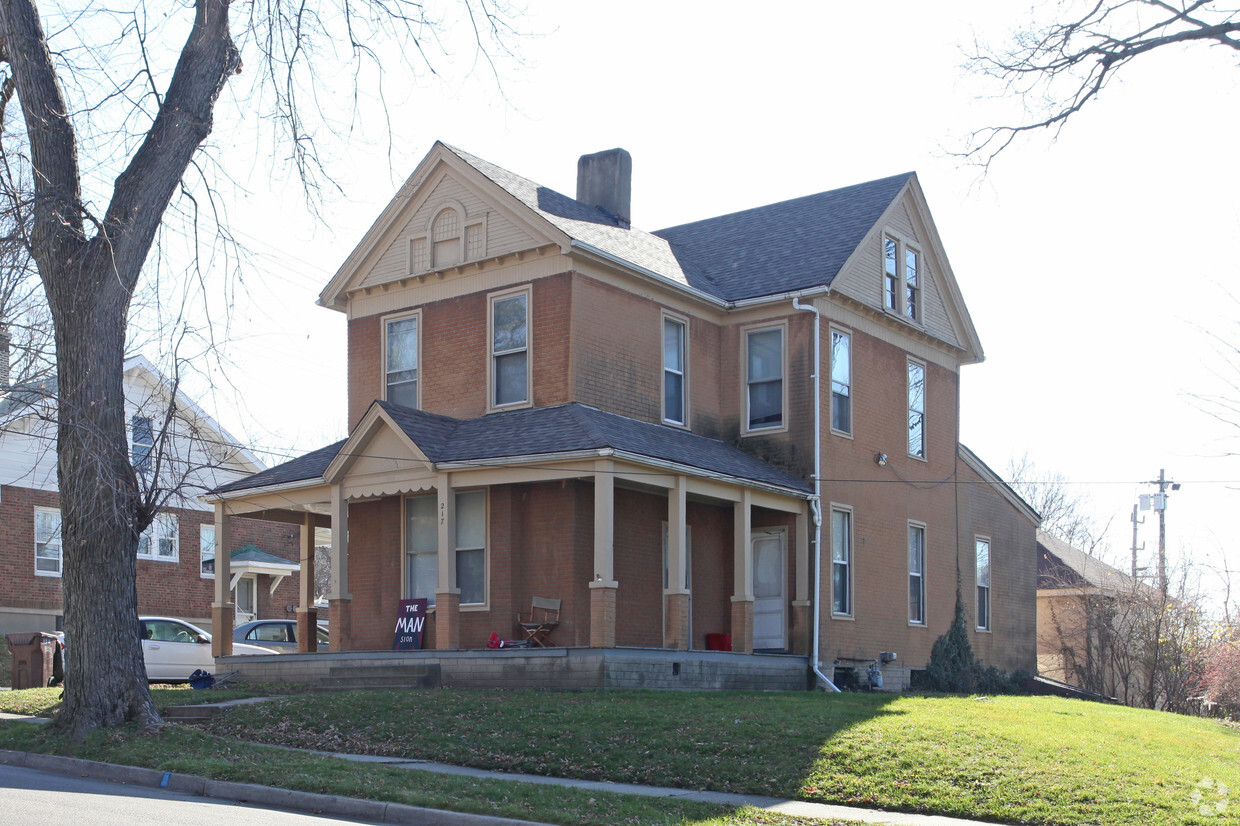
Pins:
x: 409, y: 625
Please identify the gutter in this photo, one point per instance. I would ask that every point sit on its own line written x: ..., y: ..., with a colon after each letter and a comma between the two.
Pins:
x: 816, y: 502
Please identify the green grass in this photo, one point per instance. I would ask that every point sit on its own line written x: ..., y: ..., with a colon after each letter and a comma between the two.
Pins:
x: 1009, y: 759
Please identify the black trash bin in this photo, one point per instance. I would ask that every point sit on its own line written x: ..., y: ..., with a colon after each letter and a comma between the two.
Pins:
x: 34, y: 658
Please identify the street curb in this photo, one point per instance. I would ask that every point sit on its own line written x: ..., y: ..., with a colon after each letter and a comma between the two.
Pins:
x: 308, y: 802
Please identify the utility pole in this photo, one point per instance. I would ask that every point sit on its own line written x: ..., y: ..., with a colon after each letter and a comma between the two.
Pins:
x: 1160, y: 505
x: 1135, y: 523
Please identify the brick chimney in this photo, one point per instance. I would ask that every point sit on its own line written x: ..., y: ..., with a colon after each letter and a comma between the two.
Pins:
x: 605, y: 180
x: 5, y: 338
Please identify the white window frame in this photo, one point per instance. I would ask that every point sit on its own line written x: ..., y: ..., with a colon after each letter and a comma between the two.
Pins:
x: 416, y: 316
x: 896, y: 296
x: 849, y: 548
x: 920, y: 575
x: 528, y: 349
x: 206, y: 551
x: 983, y: 610
x: 746, y: 332
x: 683, y: 374
x: 918, y: 412
x: 57, y: 535
x: 847, y: 336
x: 404, y: 543
x: 164, y: 526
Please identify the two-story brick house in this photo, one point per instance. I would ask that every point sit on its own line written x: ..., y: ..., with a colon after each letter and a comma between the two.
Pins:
x: 746, y: 425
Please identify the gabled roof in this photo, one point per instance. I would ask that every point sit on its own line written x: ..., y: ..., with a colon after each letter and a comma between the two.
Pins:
x: 543, y: 431
x: 996, y: 481
x: 1062, y: 566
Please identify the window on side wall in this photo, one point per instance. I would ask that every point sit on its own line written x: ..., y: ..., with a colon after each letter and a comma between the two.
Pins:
x: 674, y: 371
x: 917, y: 574
x: 983, y: 584
x: 206, y: 551
x: 160, y: 540
x: 841, y: 562
x: 143, y: 434
x: 916, y: 410
x: 765, y: 378
x: 48, y: 553
x: 841, y: 382
x: 510, y: 349
x: 902, y: 279
x: 401, y: 357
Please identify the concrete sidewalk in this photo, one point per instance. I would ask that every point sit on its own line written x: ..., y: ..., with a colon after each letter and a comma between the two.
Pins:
x: 396, y: 813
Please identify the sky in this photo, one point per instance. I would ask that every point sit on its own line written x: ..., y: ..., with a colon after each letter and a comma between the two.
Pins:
x: 1096, y: 266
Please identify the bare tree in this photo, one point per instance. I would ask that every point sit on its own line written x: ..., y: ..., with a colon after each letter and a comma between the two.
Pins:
x: 1063, y: 506
x: 146, y: 124
x: 1058, y: 68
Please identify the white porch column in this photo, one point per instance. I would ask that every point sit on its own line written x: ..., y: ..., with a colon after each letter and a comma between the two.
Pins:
x: 603, y: 585
x: 447, y: 595
x: 675, y: 594
x: 307, y: 617
x: 742, y: 564
x: 340, y: 600
x: 223, y: 610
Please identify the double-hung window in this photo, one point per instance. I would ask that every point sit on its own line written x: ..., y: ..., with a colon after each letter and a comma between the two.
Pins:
x: 916, y: 410
x: 510, y: 349
x: 143, y: 437
x: 912, y: 287
x: 48, y: 553
x: 891, y: 278
x: 673, y: 371
x: 160, y: 540
x: 902, y: 279
x: 917, y: 574
x: 422, y: 547
x: 471, y: 546
x: 206, y: 551
x: 764, y: 353
x: 983, y: 583
x: 402, y: 361
x: 841, y: 382
x: 841, y: 562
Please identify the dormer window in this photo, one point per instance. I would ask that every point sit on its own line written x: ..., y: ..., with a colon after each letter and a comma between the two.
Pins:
x: 449, y: 237
x: 901, y: 279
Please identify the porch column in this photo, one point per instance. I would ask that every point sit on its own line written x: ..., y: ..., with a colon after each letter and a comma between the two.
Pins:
x: 447, y: 595
x: 340, y: 600
x: 675, y: 594
x: 742, y: 574
x: 223, y: 610
x: 603, y: 586
x: 801, y: 604
x: 307, y: 616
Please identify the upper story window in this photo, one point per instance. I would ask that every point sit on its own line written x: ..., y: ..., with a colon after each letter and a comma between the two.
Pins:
x: 916, y: 410
x: 48, y: 555
x: 916, y: 574
x: 841, y: 562
x: 206, y: 551
x: 764, y: 377
x: 674, y: 371
x: 902, y: 277
x: 143, y: 436
x: 160, y: 540
x: 982, y: 548
x: 448, y: 238
x: 510, y: 349
x: 841, y: 382
x: 401, y: 357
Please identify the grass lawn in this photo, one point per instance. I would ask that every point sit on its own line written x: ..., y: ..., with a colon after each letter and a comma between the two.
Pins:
x: 1010, y: 759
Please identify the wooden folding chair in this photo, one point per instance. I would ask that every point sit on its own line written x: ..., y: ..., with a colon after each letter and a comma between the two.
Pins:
x: 542, y: 619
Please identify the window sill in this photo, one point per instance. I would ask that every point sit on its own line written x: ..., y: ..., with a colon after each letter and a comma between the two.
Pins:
x: 51, y: 574
x: 174, y: 560
x: 843, y: 434
x: 764, y: 431
x: 843, y: 617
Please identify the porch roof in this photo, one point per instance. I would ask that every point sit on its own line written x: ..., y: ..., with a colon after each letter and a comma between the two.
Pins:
x: 536, y: 432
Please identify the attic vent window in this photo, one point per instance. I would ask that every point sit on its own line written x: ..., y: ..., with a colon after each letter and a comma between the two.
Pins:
x: 449, y: 237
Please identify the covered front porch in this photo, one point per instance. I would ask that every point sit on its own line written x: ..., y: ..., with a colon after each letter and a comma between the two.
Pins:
x: 645, y: 552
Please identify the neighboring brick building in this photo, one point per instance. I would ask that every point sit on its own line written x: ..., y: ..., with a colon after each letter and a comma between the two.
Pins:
x: 747, y: 425
x: 175, y: 559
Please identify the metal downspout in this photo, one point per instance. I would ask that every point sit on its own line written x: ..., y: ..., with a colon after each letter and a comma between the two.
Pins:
x: 816, y: 505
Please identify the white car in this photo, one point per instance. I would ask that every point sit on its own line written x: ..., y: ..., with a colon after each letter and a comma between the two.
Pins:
x: 174, y: 649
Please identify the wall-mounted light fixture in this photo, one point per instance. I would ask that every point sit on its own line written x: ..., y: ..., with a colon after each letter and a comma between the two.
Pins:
x: 880, y: 459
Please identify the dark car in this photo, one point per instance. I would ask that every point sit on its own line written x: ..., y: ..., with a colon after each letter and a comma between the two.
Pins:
x: 276, y: 634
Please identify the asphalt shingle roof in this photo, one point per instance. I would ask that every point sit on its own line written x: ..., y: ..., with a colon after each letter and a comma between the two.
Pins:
x: 1062, y: 566
x: 542, y: 431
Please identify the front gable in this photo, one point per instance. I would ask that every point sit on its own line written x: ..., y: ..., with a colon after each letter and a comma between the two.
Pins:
x: 379, y: 459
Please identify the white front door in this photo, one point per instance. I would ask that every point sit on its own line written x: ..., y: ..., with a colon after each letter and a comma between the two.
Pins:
x: 247, y: 593
x: 768, y: 590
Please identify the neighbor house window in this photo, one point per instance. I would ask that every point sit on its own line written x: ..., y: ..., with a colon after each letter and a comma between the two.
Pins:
x: 917, y: 574
x: 841, y: 562
x: 206, y: 550
x: 402, y: 361
x: 902, y: 279
x: 764, y: 353
x: 422, y: 547
x: 143, y: 433
x: 673, y: 371
x: 160, y: 540
x: 510, y: 349
x: 841, y: 382
x: 983, y: 584
x: 916, y: 410
x: 48, y: 556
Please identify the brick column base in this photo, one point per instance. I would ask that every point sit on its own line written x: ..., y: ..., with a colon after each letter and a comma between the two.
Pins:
x: 307, y: 630
x: 341, y: 629
x: 602, y: 616
x: 676, y: 632
x: 801, y: 619
x: 447, y: 621
x: 742, y: 625
x: 223, y: 620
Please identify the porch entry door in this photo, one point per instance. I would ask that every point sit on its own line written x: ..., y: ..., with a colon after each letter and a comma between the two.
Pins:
x: 768, y: 590
x: 247, y: 599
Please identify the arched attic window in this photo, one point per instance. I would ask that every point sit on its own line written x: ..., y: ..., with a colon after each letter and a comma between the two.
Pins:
x: 451, y: 237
